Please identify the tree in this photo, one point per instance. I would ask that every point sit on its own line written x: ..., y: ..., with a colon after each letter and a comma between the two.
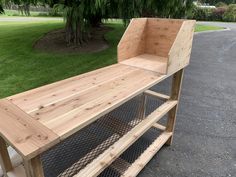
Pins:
x: 81, y: 15
x: 1, y: 7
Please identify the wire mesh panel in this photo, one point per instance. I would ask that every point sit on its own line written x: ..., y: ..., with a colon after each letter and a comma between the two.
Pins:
x: 73, y: 154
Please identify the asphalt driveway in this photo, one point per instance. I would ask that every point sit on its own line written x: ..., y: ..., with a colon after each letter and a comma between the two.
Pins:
x: 220, y: 24
x: 205, y: 138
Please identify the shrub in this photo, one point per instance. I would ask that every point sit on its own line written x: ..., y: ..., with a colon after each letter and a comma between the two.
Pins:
x: 201, y: 13
x: 217, y: 14
x: 230, y: 14
x: 221, y: 4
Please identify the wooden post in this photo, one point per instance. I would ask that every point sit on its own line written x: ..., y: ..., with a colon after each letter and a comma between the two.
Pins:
x: 33, y: 167
x: 5, y: 160
x: 142, y: 106
x: 175, y: 93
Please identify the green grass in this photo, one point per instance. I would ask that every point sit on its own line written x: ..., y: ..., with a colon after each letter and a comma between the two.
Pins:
x: 18, y: 13
x: 23, y: 68
x: 201, y: 28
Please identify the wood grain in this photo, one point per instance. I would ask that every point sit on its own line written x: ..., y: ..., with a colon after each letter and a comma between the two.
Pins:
x: 148, y: 62
x: 26, y: 135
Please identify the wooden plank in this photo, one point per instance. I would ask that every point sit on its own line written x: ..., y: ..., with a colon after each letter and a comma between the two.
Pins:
x: 132, y: 42
x: 71, y: 122
x: 22, y: 132
x: 36, y: 99
x: 175, y: 94
x: 147, y: 155
x: 161, y: 34
x: 148, y: 62
x: 179, y: 54
x: 106, y: 158
x: 53, y: 112
x: 142, y: 107
x: 157, y: 95
x: 5, y: 161
x: 159, y: 126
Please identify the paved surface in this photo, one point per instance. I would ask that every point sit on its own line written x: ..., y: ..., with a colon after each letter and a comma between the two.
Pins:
x: 221, y: 24
x: 205, y: 137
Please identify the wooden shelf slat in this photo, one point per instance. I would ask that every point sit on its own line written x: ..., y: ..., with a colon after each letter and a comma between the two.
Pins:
x: 159, y: 126
x: 157, y: 95
x: 147, y: 155
x: 108, y: 156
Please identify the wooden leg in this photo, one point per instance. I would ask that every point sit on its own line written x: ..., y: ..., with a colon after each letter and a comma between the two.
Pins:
x: 34, y: 167
x: 5, y: 160
x: 142, y: 107
x: 175, y: 93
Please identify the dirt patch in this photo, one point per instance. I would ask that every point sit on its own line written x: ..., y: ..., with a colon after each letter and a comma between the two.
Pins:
x: 54, y: 41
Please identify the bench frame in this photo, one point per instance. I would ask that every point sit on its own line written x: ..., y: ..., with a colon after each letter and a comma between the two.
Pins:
x: 33, y: 167
x: 150, y: 51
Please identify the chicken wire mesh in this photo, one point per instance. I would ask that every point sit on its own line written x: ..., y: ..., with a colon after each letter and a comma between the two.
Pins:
x: 73, y: 154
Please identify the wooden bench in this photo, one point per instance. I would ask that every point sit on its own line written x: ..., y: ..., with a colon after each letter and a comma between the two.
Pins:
x: 150, y: 51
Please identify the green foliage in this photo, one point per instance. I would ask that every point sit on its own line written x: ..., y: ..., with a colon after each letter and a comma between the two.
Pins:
x: 223, y: 13
x: 215, y: 2
x: 80, y: 15
x: 230, y: 14
x: 217, y: 14
x: 221, y: 4
x: 1, y: 7
x: 201, y: 13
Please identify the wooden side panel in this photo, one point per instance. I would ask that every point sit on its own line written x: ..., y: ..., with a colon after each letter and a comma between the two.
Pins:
x: 22, y: 132
x: 180, y: 51
x: 132, y: 42
x: 161, y: 34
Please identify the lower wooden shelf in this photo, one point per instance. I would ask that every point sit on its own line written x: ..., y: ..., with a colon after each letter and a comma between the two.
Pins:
x: 107, y: 153
x: 107, y: 157
x: 147, y: 155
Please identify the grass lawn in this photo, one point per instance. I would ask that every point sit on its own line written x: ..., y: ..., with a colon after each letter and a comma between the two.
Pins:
x: 17, y: 13
x: 23, y: 68
x: 200, y: 28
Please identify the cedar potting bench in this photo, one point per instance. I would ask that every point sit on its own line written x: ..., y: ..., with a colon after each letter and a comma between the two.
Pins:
x: 39, y: 120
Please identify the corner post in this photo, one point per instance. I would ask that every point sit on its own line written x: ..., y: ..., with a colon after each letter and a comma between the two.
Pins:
x: 33, y: 167
x: 5, y: 160
x: 175, y: 93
